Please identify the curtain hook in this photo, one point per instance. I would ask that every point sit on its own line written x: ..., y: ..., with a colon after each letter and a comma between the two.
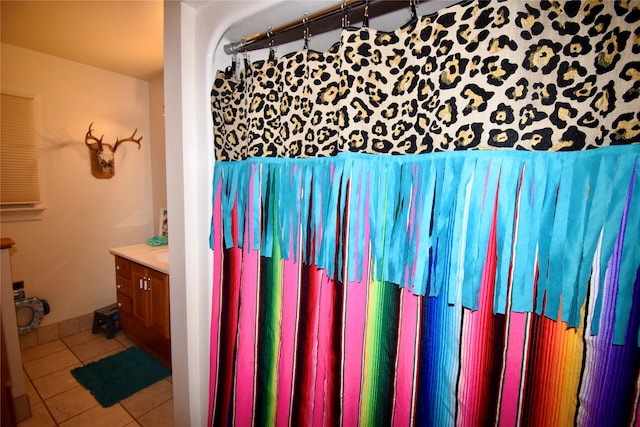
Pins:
x: 414, y: 13
x: 307, y: 34
x: 365, y: 20
x: 231, y: 69
x: 245, y: 57
x: 272, y: 49
x: 345, y: 16
x: 269, y: 34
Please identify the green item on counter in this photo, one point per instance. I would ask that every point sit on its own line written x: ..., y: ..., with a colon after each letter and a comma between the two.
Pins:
x: 158, y: 241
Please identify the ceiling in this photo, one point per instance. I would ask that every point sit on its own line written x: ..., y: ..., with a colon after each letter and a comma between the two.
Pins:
x: 125, y: 37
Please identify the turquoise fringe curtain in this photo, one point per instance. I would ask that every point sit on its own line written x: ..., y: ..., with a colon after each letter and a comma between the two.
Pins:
x: 430, y: 217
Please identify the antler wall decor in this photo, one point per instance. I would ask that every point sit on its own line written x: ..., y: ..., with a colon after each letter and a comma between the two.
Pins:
x: 102, y: 154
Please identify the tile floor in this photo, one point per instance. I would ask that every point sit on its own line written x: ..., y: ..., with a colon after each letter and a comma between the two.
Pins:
x: 57, y: 399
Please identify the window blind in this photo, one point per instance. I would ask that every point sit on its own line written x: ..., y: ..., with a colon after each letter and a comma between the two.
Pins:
x: 19, y: 178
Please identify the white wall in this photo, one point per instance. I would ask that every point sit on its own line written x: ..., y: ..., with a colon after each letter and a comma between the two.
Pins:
x: 64, y: 257
x: 192, y: 38
x: 158, y: 158
x: 183, y: 322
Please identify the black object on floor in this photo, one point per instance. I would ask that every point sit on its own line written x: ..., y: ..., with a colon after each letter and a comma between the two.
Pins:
x: 105, y: 320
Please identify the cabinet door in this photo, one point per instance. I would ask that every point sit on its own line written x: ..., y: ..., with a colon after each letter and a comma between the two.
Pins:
x: 141, y: 297
x: 159, y: 283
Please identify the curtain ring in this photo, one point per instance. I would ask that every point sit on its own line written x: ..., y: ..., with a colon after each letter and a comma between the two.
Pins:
x: 345, y: 16
x: 272, y: 49
x: 307, y: 34
x: 247, y: 63
x: 365, y: 19
x: 231, y: 69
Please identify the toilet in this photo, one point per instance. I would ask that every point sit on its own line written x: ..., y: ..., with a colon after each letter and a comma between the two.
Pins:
x: 29, y: 313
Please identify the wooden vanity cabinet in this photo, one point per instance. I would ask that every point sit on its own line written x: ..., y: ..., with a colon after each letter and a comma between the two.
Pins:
x: 143, y: 307
x: 151, y: 298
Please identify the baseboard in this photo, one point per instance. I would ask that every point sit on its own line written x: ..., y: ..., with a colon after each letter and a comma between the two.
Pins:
x: 55, y: 331
x: 22, y: 407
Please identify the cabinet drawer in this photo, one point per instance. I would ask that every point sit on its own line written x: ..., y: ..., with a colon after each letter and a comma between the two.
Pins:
x: 124, y: 303
x: 123, y: 285
x: 123, y: 267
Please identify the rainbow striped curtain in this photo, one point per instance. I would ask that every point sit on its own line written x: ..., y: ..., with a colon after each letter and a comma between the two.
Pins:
x: 473, y: 271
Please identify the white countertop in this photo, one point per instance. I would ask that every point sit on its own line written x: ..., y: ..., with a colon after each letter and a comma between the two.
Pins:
x: 155, y: 257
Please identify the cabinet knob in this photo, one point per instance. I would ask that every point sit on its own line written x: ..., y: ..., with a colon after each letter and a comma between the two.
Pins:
x: 119, y: 304
x: 117, y: 267
x: 119, y: 286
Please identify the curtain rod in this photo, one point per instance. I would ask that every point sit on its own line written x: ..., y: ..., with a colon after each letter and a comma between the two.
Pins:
x: 318, y: 23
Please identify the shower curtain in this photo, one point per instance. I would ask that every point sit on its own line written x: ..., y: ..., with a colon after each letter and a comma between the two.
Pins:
x: 437, y: 225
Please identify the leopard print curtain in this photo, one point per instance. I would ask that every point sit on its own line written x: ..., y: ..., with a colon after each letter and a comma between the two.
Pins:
x: 546, y: 76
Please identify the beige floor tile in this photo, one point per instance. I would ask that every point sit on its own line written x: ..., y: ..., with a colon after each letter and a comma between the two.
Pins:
x: 28, y: 340
x: 113, y: 416
x: 82, y: 337
x: 122, y: 338
x: 70, y: 403
x: 103, y: 355
x: 57, y: 398
x: 22, y: 407
x: 42, y: 350
x: 50, y: 364
x: 90, y: 350
x: 40, y: 417
x: 148, y: 399
x: 48, y: 333
x: 56, y: 383
x: 70, y: 327
x: 162, y: 416
x: 34, y: 397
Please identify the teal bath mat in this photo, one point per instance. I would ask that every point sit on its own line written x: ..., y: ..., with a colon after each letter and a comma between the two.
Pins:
x: 119, y: 376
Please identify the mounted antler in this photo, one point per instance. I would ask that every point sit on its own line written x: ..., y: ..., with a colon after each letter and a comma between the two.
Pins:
x: 102, y: 160
x: 89, y: 136
x: 131, y: 138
